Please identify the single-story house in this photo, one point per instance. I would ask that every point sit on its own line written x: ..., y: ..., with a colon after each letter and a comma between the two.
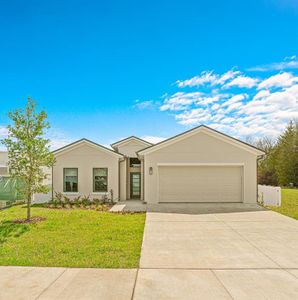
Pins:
x: 199, y: 165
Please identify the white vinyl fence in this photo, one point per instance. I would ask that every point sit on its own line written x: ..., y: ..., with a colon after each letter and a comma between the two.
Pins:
x: 42, y: 198
x: 269, y: 195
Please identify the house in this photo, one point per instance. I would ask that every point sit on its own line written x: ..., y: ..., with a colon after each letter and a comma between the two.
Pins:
x: 199, y: 165
x: 3, y: 163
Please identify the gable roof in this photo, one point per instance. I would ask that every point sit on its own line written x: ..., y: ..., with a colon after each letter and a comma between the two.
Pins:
x: 88, y: 142
x: 128, y: 139
x: 208, y: 130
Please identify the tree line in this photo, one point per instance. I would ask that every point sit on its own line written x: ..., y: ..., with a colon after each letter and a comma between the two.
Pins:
x: 280, y: 165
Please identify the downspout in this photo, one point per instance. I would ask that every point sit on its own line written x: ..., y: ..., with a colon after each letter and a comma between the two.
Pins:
x: 52, y: 182
x: 143, y: 181
x: 119, y: 178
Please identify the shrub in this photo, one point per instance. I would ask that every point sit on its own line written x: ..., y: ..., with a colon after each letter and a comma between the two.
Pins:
x: 66, y: 201
x: 97, y: 201
x: 86, y: 201
x: 77, y: 201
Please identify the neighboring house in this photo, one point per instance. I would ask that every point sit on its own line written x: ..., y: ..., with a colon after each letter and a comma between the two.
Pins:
x: 8, y: 191
x: 199, y: 165
x: 3, y: 163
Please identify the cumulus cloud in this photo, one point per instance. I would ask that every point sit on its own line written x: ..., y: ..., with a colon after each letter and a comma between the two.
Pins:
x: 279, y: 80
x: 242, y: 82
x: 208, y: 77
x: 57, y: 138
x: 3, y: 132
x: 144, y: 104
x: 180, y: 101
x: 287, y: 63
x: 269, y: 103
x: 235, y: 99
x: 236, y: 103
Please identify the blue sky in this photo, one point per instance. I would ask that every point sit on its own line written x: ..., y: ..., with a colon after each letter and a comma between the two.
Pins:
x: 105, y: 70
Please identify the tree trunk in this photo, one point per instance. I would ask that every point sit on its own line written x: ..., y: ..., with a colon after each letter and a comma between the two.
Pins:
x: 29, y: 207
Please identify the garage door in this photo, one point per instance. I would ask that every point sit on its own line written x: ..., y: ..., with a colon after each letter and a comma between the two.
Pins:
x: 200, y: 184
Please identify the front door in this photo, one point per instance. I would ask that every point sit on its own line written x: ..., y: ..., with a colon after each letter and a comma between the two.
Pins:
x: 135, y: 185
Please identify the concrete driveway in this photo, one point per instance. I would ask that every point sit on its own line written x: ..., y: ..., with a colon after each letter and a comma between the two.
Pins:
x: 232, y: 255
x: 238, y: 255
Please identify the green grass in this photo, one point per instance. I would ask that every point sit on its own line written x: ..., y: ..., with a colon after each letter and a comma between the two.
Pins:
x: 289, y: 203
x: 71, y: 238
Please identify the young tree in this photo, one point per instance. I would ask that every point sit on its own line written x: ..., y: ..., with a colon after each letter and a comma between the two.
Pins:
x: 28, y: 150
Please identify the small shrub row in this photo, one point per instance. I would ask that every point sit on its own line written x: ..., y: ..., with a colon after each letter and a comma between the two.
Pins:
x: 62, y: 201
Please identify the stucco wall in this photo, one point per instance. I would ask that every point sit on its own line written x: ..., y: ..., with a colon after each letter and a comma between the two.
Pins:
x: 201, y: 148
x: 85, y: 158
x: 130, y: 148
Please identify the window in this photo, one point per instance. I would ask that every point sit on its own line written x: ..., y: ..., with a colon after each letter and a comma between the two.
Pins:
x: 134, y: 162
x: 70, y: 180
x: 100, y: 180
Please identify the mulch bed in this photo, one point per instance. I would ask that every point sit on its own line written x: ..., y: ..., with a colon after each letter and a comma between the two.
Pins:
x: 31, y: 221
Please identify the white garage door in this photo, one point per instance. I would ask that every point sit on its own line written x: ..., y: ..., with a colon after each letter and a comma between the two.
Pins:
x: 200, y: 184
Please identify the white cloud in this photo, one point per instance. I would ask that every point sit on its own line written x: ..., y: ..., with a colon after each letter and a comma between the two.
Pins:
x: 205, y: 77
x: 56, y: 137
x: 58, y: 143
x: 215, y: 106
x: 279, y: 80
x: 264, y: 109
x: 288, y: 63
x: 180, y: 101
x: 242, y: 82
x: 193, y: 116
x: 234, y: 99
x: 233, y: 106
x: 153, y: 139
x: 3, y: 132
x: 144, y: 104
x: 208, y: 77
x: 262, y: 94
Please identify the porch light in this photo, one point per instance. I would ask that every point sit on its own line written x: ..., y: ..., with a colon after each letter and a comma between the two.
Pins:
x: 150, y: 170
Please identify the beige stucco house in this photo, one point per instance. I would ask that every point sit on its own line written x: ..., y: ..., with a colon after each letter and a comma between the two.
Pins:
x: 199, y: 165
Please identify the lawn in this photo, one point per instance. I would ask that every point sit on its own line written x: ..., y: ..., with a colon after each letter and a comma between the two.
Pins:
x: 71, y: 238
x: 289, y: 203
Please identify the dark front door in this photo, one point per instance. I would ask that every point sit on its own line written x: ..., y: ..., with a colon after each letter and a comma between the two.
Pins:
x: 135, y: 185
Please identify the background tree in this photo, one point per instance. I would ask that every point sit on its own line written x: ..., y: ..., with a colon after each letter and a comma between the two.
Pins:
x: 280, y: 166
x: 266, y: 166
x: 286, y: 154
x: 28, y: 150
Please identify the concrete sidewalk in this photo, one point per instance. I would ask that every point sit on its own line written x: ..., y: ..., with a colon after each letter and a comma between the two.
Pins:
x: 65, y: 283
x: 240, y: 255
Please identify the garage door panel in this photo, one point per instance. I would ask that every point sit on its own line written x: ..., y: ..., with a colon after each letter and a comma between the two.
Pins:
x: 200, y: 184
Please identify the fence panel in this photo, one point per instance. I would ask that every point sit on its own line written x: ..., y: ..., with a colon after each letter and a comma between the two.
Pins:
x: 269, y: 195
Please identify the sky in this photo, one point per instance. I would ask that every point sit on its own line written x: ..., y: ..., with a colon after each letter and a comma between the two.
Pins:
x: 105, y: 70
